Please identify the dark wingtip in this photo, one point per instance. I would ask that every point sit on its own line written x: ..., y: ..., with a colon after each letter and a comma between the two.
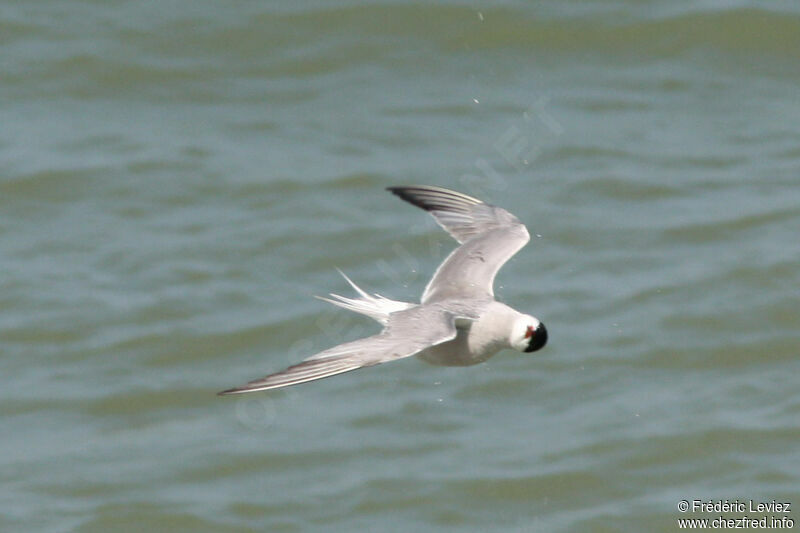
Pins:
x: 410, y: 193
x: 402, y: 193
x: 235, y: 390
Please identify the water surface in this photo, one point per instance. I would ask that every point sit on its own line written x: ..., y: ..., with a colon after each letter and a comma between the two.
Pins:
x: 177, y: 180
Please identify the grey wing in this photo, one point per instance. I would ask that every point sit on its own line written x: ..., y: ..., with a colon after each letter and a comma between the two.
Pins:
x: 407, y: 333
x: 489, y: 236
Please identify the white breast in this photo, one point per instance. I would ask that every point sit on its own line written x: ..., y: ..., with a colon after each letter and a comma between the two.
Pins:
x: 477, y: 343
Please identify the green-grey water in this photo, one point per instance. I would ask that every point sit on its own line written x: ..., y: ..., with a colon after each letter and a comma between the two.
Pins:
x: 178, y: 179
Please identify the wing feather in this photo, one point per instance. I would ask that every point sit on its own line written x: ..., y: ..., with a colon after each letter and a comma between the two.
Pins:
x: 407, y: 333
x: 489, y: 236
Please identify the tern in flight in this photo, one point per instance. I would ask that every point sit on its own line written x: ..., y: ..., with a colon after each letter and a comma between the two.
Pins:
x: 457, y: 322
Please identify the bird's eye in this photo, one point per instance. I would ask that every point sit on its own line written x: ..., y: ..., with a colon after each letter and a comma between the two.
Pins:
x: 529, y: 332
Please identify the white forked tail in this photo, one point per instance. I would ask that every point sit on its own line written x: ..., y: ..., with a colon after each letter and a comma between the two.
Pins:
x: 376, y: 306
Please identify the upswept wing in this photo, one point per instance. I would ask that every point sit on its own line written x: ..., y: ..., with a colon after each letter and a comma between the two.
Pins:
x: 489, y: 236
